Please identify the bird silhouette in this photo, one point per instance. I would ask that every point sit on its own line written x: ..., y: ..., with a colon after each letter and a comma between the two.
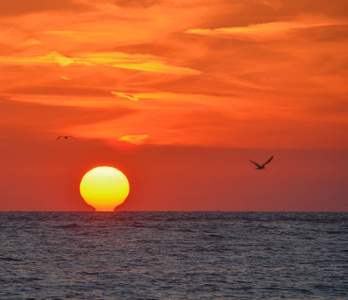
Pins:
x: 261, y: 167
x: 66, y: 137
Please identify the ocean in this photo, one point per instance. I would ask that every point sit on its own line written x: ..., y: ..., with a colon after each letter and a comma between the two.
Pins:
x: 173, y: 255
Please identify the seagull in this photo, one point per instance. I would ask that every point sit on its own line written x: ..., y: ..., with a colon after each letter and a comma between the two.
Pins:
x: 262, y: 166
x: 65, y: 137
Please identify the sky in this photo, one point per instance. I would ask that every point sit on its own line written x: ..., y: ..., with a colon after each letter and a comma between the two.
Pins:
x: 178, y: 95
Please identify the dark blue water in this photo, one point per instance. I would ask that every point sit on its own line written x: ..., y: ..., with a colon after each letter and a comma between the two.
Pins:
x: 173, y: 255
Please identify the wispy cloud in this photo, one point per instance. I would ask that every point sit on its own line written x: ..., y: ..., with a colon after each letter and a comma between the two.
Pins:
x: 134, y: 139
x: 32, y: 42
x: 141, y: 62
x: 18, y: 7
x: 158, y: 67
x: 70, y: 100
x: 51, y: 58
x: 263, y: 30
x: 128, y: 96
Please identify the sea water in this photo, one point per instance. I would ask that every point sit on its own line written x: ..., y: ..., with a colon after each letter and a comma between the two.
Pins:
x: 173, y: 255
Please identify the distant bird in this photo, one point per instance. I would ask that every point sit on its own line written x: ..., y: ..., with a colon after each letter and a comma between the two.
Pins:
x: 261, y: 167
x: 65, y: 137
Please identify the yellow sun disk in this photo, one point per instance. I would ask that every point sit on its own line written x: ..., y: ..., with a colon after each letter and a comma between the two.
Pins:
x: 104, y: 188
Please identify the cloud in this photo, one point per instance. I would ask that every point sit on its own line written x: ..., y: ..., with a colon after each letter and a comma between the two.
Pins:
x: 128, y: 96
x: 141, y: 62
x: 31, y: 42
x: 20, y: 7
x: 263, y: 30
x: 137, y: 3
x: 40, y: 118
x: 158, y: 67
x: 52, y: 58
x: 134, y: 139
x: 59, y: 90
x: 81, y: 99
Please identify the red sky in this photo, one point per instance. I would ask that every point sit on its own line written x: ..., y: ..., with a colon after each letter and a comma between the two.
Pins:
x: 177, y: 94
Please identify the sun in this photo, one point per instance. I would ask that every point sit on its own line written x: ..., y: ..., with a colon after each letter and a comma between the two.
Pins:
x: 104, y: 188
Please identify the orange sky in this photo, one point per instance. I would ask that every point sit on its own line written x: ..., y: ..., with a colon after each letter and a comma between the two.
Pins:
x: 177, y: 94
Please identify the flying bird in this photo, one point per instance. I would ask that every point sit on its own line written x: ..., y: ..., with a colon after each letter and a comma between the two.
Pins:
x: 65, y: 137
x: 261, y: 167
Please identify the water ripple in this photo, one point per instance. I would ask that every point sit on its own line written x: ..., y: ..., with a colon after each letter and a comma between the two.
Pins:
x: 173, y: 255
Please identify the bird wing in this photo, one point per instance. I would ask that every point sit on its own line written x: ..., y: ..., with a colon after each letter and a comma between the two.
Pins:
x: 69, y: 136
x: 58, y: 137
x: 255, y: 163
x: 268, y: 161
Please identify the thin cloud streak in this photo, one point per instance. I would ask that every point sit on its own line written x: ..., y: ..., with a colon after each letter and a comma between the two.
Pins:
x: 128, y: 96
x: 258, y: 31
x: 148, y: 63
x: 134, y: 139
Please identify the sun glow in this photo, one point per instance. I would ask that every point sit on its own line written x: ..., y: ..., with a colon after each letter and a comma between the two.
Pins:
x: 104, y: 188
